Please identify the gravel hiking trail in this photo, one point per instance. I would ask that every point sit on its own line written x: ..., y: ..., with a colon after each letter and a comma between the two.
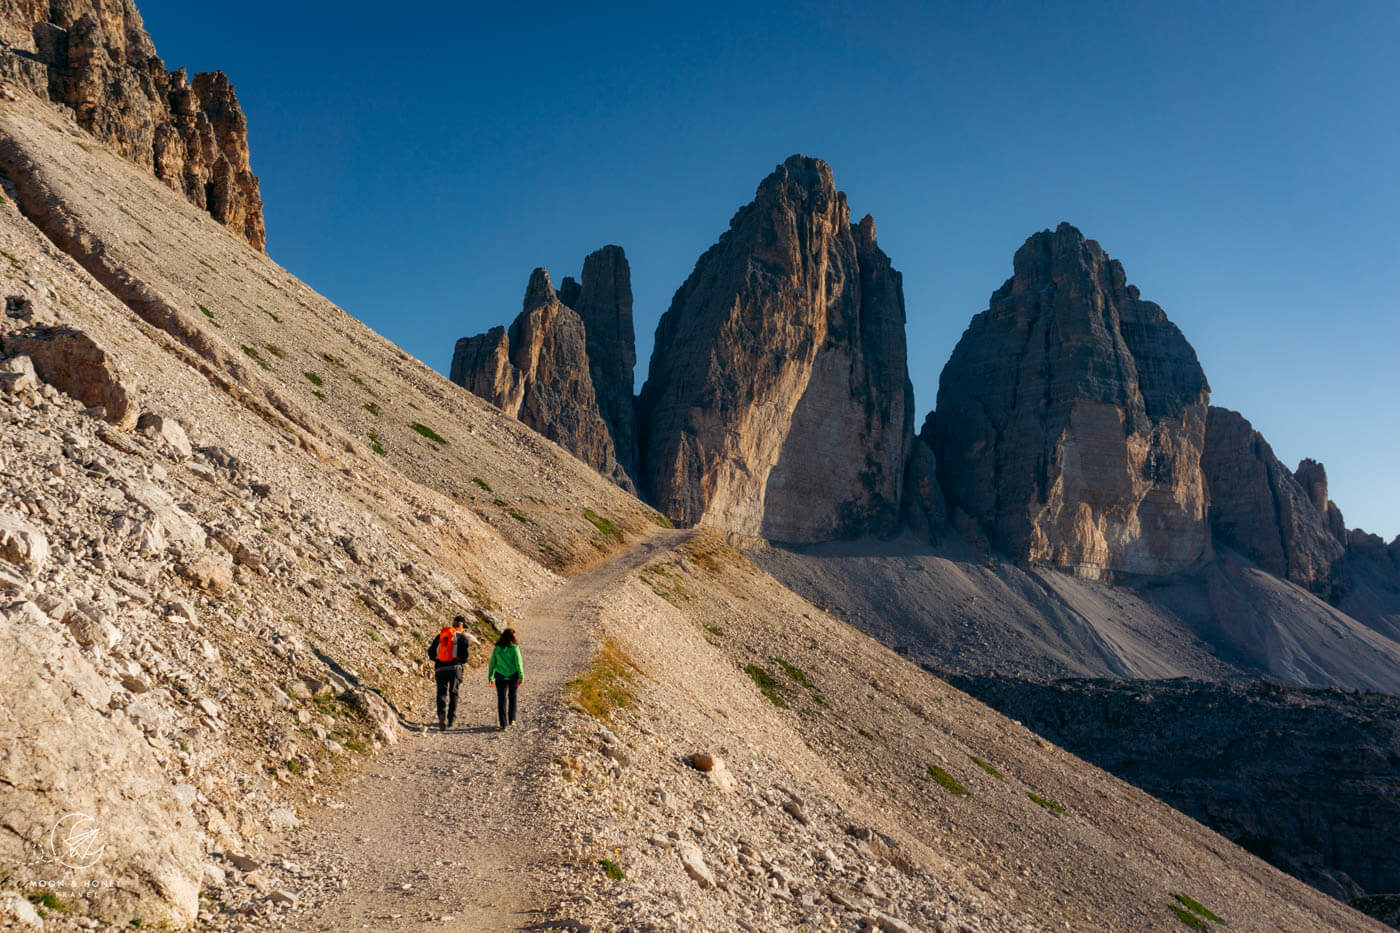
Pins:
x: 444, y: 831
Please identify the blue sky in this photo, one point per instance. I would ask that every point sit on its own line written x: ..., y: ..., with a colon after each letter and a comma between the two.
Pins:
x: 1241, y: 159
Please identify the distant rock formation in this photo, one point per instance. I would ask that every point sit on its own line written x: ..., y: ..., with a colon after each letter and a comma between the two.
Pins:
x: 96, y: 59
x: 604, y: 303
x: 1071, y: 418
x: 1283, y: 522
x: 539, y: 373
x: 778, y: 402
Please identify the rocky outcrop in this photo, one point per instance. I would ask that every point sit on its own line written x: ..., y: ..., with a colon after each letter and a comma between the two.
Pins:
x: 96, y: 802
x: 777, y: 402
x: 538, y: 372
x: 1260, y: 509
x: 97, y: 60
x: 925, y: 511
x: 72, y: 362
x: 1071, y: 418
x: 604, y: 302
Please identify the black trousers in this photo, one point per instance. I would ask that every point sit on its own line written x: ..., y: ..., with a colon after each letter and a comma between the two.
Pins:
x: 505, y: 699
x: 449, y: 681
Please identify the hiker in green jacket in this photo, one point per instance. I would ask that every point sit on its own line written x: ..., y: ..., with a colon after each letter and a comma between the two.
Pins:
x: 507, y: 670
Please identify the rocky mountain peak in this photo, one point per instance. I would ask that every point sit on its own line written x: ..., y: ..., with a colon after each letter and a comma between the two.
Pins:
x: 1071, y: 418
x: 540, y: 372
x: 96, y: 60
x: 539, y: 292
x: 604, y: 302
x: 777, y: 402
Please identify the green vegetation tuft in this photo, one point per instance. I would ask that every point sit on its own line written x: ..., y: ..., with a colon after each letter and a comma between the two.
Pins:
x: 374, y: 444
x: 986, y: 767
x: 947, y: 781
x: 519, y: 516
x: 313, y: 378
x: 715, y: 630
x: 372, y: 408
x: 275, y: 350
x: 607, y: 685
x: 49, y: 901
x: 271, y: 315
x: 1196, y: 907
x: 319, y: 394
x: 482, y: 483
x: 661, y: 520
x: 205, y: 311
x: 1046, y: 802
x: 427, y: 432
x: 602, y: 524
x: 766, y: 684
x: 293, y: 766
x: 255, y: 357
x: 612, y: 869
x: 795, y: 673
x: 1190, y: 919
x: 333, y: 360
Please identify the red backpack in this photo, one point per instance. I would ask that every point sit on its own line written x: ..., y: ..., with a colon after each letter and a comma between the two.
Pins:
x: 447, y: 645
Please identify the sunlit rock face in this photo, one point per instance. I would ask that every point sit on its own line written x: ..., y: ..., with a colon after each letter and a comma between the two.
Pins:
x: 97, y: 59
x: 1071, y: 419
x: 538, y: 372
x: 778, y: 401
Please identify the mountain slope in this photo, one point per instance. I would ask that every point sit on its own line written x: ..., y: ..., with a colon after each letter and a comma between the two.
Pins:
x: 228, y: 606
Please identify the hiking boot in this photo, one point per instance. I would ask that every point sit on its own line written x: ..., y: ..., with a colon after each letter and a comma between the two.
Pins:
x: 442, y: 723
x: 451, y: 722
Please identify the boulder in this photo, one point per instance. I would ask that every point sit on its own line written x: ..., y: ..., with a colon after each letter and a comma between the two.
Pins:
x: 377, y: 709
x: 72, y: 362
x: 694, y: 864
x: 17, y: 375
x: 22, y: 543
x: 777, y: 403
x: 168, y: 520
x: 210, y: 572
x: 168, y: 431
x: 1071, y: 417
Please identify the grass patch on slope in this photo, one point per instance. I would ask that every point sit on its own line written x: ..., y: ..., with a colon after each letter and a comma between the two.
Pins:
x: 607, y: 685
x: 1047, y: 803
x: 602, y: 524
x: 428, y: 432
x: 946, y: 781
x: 1190, y: 919
x: 253, y: 355
x: 1197, y: 908
x: 766, y: 684
x: 986, y: 767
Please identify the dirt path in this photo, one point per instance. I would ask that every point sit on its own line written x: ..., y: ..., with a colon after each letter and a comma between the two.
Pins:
x: 444, y: 831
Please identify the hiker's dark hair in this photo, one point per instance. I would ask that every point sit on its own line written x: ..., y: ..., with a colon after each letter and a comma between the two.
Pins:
x: 507, y: 639
x: 459, y: 620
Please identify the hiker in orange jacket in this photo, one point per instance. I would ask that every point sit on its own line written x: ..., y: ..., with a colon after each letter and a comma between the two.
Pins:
x: 448, y: 652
